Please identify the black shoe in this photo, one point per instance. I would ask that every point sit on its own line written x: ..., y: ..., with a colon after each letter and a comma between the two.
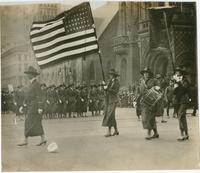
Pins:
x: 148, y: 138
x: 108, y: 135
x: 22, y: 144
x: 42, y: 143
x: 186, y: 137
x: 115, y: 133
x: 163, y: 121
x: 155, y: 136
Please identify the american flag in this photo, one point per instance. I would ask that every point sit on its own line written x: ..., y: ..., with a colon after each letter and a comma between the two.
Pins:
x: 70, y: 34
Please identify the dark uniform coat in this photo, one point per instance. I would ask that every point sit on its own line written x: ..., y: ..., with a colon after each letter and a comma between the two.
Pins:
x: 182, y: 96
x: 33, y: 99
x: 19, y: 99
x: 84, y: 99
x: 148, y: 114
x: 111, y: 103
x: 71, y: 95
x: 93, y: 97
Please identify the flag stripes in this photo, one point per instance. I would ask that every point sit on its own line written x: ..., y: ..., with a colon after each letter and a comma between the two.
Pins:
x: 72, y: 33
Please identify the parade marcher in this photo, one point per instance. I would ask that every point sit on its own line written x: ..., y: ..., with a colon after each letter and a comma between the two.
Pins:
x: 71, y: 99
x: 160, y: 81
x: 48, y: 103
x: 101, y: 98
x: 44, y: 98
x: 168, y: 96
x: 18, y: 101
x: 62, y: 101
x: 194, y: 99
x: 84, y: 100
x: 33, y: 99
x: 78, y: 101
x: 111, y: 100
x: 182, y: 97
x: 138, y: 100
x: 93, y: 97
x: 5, y: 102
x: 148, y: 111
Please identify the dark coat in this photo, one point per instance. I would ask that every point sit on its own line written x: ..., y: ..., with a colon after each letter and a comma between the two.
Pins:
x: 148, y: 114
x: 93, y: 97
x: 84, y: 96
x: 182, y: 92
x: 33, y: 100
x: 19, y: 99
x: 111, y: 103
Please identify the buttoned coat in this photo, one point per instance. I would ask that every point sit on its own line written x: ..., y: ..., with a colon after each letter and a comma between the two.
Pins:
x: 33, y: 100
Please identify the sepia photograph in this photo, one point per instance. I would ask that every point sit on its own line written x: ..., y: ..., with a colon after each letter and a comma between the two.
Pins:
x: 99, y: 86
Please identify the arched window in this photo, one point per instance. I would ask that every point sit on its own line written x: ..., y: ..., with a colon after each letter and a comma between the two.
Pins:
x: 123, y: 71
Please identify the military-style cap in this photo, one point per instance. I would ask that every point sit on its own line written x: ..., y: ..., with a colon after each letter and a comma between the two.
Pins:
x: 31, y: 70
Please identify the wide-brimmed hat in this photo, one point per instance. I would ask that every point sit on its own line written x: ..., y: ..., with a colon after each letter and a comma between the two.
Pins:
x: 146, y: 70
x: 31, y: 70
x: 113, y: 72
x: 183, y: 72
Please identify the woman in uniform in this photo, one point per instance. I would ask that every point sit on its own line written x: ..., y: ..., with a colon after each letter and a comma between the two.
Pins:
x: 148, y: 112
x: 34, y: 102
x: 182, y: 96
x: 111, y: 101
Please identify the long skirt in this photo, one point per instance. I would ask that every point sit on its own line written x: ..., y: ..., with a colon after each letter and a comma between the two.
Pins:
x: 182, y: 116
x: 109, y: 115
x: 33, y: 125
x: 148, y: 117
x: 160, y: 108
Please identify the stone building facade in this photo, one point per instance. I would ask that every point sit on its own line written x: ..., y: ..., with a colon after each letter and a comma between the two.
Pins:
x: 123, y: 31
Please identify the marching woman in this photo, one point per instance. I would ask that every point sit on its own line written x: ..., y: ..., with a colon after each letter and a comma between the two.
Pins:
x: 182, y: 97
x: 34, y: 102
x: 111, y: 100
x: 148, y: 112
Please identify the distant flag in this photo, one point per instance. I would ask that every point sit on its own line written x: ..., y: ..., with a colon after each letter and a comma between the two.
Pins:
x: 70, y: 34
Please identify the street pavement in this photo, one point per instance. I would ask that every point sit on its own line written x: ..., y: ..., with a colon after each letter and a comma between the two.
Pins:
x: 83, y: 147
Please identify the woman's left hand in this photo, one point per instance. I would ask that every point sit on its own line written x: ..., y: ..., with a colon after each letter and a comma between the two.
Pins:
x: 40, y: 111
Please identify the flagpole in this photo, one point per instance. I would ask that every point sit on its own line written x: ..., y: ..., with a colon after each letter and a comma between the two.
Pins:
x: 102, y: 71
x: 168, y: 39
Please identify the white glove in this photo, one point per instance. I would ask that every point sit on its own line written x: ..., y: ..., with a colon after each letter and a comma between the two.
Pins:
x: 82, y: 100
x: 60, y: 101
x: 175, y: 85
x: 48, y: 102
x: 90, y: 101
x: 105, y: 87
x: 21, y: 110
x: 157, y: 88
x: 40, y: 111
x: 15, y: 103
